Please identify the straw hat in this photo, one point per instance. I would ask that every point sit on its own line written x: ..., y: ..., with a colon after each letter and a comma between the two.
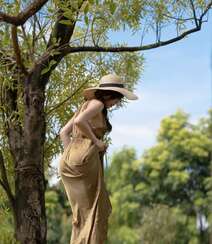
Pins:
x: 110, y: 82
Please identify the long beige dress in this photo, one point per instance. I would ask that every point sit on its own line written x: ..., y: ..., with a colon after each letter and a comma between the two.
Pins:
x: 82, y: 173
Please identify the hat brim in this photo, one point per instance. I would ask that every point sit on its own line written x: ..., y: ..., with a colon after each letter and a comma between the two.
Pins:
x: 88, y: 93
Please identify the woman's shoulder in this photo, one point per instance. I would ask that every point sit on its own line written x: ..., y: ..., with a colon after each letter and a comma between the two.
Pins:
x: 94, y: 103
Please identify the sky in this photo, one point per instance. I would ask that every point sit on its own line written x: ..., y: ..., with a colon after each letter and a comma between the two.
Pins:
x: 177, y: 76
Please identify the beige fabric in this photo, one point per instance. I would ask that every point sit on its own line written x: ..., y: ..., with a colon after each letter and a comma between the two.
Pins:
x: 82, y: 173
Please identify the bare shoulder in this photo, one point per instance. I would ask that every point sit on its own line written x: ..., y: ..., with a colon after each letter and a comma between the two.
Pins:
x: 95, y: 104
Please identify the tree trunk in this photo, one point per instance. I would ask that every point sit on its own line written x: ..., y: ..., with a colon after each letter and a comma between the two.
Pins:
x: 30, y: 217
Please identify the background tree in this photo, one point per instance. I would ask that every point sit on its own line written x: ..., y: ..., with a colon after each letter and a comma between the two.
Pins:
x: 176, y: 172
x: 122, y: 176
x: 35, y: 39
x: 58, y: 215
x: 163, y: 197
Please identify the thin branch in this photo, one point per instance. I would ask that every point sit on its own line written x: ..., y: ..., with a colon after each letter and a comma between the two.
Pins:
x: 204, y: 12
x: 33, y: 34
x: 3, y: 186
x: 17, y: 50
x: 4, y: 181
x: 41, y: 30
x: 23, y: 16
x: 194, y: 12
x: 30, y: 54
x: 143, y: 33
x: 86, y: 35
x: 176, y: 18
x: 53, y: 140
x: 68, y: 98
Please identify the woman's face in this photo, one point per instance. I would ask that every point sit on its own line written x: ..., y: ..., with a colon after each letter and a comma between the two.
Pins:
x: 111, y: 102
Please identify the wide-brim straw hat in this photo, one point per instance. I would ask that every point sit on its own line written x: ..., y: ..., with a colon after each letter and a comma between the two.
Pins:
x: 110, y: 82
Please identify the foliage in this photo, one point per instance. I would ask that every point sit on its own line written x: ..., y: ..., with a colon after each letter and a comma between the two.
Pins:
x: 6, y: 222
x: 163, y: 195
x: 58, y: 215
x: 160, y: 224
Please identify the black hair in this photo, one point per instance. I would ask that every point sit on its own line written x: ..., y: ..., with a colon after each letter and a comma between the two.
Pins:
x: 103, y: 95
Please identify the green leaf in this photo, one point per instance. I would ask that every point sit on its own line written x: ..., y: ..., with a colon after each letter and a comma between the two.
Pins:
x: 68, y: 14
x: 112, y: 7
x: 65, y: 22
x: 45, y: 70
x: 86, y: 9
x: 86, y: 20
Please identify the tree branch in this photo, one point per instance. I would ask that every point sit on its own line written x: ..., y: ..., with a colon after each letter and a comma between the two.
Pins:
x: 194, y: 12
x: 30, y: 53
x: 4, y: 181
x: 69, y: 49
x: 17, y: 50
x: 41, y: 30
x: 179, y: 19
x: 23, y: 16
x: 68, y: 98
x: 61, y: 32
x: 205, y: 12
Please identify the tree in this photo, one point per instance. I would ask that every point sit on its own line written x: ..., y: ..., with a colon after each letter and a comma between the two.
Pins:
x: 58, y: 214
x: 160, y: 197
x: 176, y: 171
x: 162, y: 224
x: 122, y: 176
x: 35, y: 39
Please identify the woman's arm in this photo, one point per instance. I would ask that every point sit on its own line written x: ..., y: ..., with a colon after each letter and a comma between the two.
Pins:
x: 65, y: 131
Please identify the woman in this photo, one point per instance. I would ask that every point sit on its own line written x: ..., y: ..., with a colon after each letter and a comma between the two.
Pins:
x: 81, y: 165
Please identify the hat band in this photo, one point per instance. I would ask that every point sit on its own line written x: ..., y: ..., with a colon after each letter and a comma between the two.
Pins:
x: 112, y: 85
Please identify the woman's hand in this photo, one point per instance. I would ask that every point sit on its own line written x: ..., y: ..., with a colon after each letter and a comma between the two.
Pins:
x: 101, y: 145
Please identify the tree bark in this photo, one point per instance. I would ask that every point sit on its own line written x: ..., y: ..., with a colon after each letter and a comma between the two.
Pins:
x: 29, y: 177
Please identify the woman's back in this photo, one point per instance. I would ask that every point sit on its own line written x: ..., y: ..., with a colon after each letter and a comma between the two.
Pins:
x: 97, y: 123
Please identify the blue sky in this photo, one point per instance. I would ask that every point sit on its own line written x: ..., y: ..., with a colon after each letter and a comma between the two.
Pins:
x: 177, y: 76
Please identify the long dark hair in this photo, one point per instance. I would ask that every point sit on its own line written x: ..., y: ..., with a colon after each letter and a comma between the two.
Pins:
x: 103, y: 95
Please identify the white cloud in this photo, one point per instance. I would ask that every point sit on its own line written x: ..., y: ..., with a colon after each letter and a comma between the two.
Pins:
x: 133, y: 131
x: 138, y: 136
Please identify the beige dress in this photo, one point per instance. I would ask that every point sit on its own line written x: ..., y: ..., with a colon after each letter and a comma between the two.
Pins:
x: 82, y: 172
